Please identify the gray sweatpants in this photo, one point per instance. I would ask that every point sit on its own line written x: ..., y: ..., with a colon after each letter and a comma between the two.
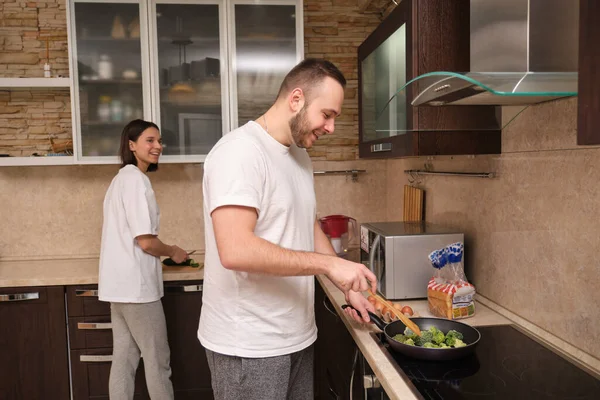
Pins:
x: 139, y: 328
x: 272, y: 378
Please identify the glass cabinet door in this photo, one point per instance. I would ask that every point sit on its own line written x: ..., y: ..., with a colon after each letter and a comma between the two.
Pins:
x: 110, y: 58
x: 190, y: 48
x: 384, y: 111
x: 265, y: 46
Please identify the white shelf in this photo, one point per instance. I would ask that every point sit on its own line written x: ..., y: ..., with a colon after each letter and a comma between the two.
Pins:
x: 32, y: 161
x: 34, y: 82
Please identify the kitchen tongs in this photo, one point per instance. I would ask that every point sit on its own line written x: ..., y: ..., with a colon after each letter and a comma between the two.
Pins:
x: 405, y: 320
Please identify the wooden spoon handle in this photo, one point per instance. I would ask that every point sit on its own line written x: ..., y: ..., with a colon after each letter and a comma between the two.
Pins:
x: 405, y: 320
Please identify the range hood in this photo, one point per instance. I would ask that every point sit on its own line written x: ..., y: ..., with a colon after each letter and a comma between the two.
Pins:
x: 531, y: 47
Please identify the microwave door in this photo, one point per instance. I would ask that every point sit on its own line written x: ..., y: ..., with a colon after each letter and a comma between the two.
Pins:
x: 376, y: 263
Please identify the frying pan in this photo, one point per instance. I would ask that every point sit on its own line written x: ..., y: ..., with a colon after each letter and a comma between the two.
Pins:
x: 471, y: 337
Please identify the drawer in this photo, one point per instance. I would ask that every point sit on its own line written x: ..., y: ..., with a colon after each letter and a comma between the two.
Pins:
x: 82, y: 301
x: 90, y: 370
x: 90, y: 332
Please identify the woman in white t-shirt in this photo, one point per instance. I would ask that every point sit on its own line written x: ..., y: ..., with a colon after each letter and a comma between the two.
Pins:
x: 130, y: 272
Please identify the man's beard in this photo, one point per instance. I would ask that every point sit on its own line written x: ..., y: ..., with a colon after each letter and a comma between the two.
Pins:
x: 300, y: 127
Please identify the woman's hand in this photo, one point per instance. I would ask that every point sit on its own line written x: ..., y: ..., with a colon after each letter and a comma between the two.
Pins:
x: 178, y: 254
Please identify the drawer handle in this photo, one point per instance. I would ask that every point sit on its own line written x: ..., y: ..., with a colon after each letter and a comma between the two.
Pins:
x: 327, y: 304
x: 20, y: 296
x: 95, y: 359
x: 183, y: 288
x: 94, y: 325
x: 86, y: 292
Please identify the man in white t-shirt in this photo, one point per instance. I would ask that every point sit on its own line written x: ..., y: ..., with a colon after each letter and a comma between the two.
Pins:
x: 264, y: 244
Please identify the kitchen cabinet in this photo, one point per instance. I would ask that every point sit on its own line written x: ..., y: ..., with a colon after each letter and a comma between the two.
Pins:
x: 588, y: 114
x: 419, y: 37
x: 33, y: 339
x: 91, y: 343
x: 196, y: 68
x: 190, y: 373
x: 337, y: 367
x: 90, y: 339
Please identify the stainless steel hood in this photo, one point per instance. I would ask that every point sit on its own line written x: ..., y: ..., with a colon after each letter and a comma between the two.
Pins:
x: 529, y: 45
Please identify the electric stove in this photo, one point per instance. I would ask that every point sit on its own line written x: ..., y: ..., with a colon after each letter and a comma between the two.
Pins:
x: 507, y: 364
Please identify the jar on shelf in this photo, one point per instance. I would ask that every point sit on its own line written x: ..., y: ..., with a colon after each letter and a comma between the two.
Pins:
x: 116, y: 110
x: 105, y: 67
x: 104, y: 109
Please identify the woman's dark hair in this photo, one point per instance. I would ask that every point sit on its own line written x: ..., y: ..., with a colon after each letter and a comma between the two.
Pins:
x: 133, y: 131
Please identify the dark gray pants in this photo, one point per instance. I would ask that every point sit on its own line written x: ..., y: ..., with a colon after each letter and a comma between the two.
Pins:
x: 272, y: 378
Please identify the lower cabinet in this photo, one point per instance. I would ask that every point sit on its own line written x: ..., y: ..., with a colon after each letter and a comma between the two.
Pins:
x: 338, y: 371
x: 90, y: 338
x: 33, y: 344
x: 191, y: 376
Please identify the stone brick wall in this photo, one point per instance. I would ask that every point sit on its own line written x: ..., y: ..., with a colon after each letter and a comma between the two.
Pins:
x: 30, y: 118
x: 333, y: 29
x: 24, y: 29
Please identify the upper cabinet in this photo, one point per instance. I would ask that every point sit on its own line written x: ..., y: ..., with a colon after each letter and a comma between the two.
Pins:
x: 588, y: 118
x: 419, y: 37
x: 196, y: 68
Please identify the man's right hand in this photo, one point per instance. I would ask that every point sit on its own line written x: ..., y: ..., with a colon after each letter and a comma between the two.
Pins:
x: 348, y: 275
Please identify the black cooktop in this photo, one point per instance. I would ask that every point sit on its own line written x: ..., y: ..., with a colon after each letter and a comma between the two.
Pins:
x: 507, y: 364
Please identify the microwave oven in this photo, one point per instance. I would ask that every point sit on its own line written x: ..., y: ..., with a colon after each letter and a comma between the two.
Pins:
x: 398, y: 255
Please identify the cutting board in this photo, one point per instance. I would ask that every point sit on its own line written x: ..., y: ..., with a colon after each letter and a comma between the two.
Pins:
x: 413, y: 203
x: 182, y: 269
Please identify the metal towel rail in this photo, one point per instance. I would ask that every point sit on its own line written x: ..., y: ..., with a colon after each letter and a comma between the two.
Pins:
x: 468, y: 174
x: 353, y: 172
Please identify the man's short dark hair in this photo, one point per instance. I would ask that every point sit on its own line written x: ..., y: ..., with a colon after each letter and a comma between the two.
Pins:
x: 308, y: 75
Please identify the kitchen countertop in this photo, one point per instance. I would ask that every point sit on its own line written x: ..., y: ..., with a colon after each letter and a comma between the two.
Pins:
x: 73, y: 271
x: 394, y: 383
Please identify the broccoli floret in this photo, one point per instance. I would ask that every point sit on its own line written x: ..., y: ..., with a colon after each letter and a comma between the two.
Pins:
x: 409, y: 342
x: 444, y: 346
x: 408, y: 332
x: 453, y: 333
x: 459, y: 343
x: 426, y: 337
x: 438, y: 337
x: 430, y: 345
x: 400, y: 338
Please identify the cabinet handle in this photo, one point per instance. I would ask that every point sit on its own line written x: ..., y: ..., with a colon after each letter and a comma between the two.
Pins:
x: 326, y: 303
x: 94, y: 325
x: 95, y: 359
x: 20, y: 296
x: 86, y: 292
x: 375, y: 148
x: 183, y: 288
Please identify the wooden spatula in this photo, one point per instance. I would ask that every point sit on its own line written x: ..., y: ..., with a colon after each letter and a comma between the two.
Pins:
x: 405, y: 320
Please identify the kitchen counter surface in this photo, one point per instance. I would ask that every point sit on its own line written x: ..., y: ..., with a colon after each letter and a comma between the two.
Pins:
x: 395, y: 384
x: 70, y: 272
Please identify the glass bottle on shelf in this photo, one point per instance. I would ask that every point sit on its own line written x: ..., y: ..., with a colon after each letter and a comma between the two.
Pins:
x: 104, y: 109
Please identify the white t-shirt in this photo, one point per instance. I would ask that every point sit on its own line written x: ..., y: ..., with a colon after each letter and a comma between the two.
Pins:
x: 248, y: 314
x: 128, y: 274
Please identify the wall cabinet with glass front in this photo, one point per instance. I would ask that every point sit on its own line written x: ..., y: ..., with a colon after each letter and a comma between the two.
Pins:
x: 416, y: 38
x: 196, y: 68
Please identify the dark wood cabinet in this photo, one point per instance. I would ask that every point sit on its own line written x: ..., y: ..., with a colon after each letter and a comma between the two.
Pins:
x: 588, y: 116
x: 33, y: 343
x: 91, y: 343
x: 90, y: 339
x: 337, y: 367
x: 418, y: 37
x: 190, y: 373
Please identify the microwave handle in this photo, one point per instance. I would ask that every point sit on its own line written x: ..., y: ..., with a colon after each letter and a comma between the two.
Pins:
x: 374, y: 250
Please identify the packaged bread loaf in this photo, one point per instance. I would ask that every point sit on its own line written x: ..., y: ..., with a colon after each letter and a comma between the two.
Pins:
x: 449, y: 294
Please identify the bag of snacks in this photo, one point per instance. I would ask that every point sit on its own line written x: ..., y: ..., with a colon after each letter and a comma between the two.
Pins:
x: 449, y: 294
